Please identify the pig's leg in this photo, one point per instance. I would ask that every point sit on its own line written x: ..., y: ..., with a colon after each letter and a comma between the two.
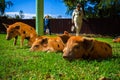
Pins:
x: 15, y: 40
x: 22, y: 41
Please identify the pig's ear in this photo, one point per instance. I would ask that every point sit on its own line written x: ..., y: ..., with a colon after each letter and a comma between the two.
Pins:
x: 44, y: 42
x: 17, y: 27
x: 87, y: 43
x: 65, y: 32
x: 5, y: 25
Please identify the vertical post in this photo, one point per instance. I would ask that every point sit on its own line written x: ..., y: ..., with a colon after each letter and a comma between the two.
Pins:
x: 39, y: 16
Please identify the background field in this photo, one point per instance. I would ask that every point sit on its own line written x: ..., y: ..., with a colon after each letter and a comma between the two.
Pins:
x: 20, y: 64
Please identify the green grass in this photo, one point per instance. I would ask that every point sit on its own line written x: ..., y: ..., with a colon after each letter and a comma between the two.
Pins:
x: 20, y: 64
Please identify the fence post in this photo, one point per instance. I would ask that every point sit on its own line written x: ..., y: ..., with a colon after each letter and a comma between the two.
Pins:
x: 39, y: 16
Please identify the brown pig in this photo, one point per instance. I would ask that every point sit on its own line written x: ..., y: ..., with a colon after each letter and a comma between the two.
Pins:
x: 48, y: 44
x: 20, y: 29
x: 117, y: 39
x: 51, y: 44
x: 86, y: 48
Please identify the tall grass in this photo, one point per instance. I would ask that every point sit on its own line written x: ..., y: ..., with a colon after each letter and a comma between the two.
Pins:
x: 20, y: 64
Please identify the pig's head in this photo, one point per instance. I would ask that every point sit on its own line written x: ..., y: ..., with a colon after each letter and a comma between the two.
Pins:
x: 40, y: 45
x: 77, y: 47
x: 12, y: 31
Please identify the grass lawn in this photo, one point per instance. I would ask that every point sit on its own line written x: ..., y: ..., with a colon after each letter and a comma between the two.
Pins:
x: 20, y: 64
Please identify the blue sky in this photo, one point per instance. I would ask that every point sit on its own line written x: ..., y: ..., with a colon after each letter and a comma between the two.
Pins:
x: 52, y: 7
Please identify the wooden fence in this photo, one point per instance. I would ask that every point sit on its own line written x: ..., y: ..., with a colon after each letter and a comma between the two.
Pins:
x: 103, y: 26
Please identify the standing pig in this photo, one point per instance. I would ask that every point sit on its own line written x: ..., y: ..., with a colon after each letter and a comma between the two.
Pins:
x: 20, y: 29
x: 80, y: 47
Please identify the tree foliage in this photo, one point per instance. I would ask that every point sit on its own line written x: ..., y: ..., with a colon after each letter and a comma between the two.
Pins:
x: 71, y: 4
x: 95, y: 8
x: 3, y: 5
x: 21, y: 14
x: 109, y: 8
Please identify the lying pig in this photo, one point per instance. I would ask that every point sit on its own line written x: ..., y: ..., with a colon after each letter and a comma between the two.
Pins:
x: 20, y: 29
x: 48, y: 44
x: 117, y: 39
x: 86, y: 48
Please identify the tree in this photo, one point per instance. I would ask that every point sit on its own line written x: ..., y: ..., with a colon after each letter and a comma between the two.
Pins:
x: 109, y: 8
x: 17, y: 16
x: 21, y: 14
x: 102, y: 8
x: 71, y: 4
x: 59, y: 16
x: 4, y: 4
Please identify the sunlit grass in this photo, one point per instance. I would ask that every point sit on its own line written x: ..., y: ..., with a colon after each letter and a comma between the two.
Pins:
x: 20, y: 64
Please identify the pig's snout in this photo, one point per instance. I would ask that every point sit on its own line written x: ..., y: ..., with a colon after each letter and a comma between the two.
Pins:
x: 8, y: 38
x: 64, y: 56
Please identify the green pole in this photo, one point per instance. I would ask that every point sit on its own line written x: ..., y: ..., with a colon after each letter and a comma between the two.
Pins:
x: 39, y: 16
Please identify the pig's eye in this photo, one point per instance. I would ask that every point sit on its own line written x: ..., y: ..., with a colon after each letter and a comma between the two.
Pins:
x: 77, y: 46
x: 36, y: 46
x: 12, y: 32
